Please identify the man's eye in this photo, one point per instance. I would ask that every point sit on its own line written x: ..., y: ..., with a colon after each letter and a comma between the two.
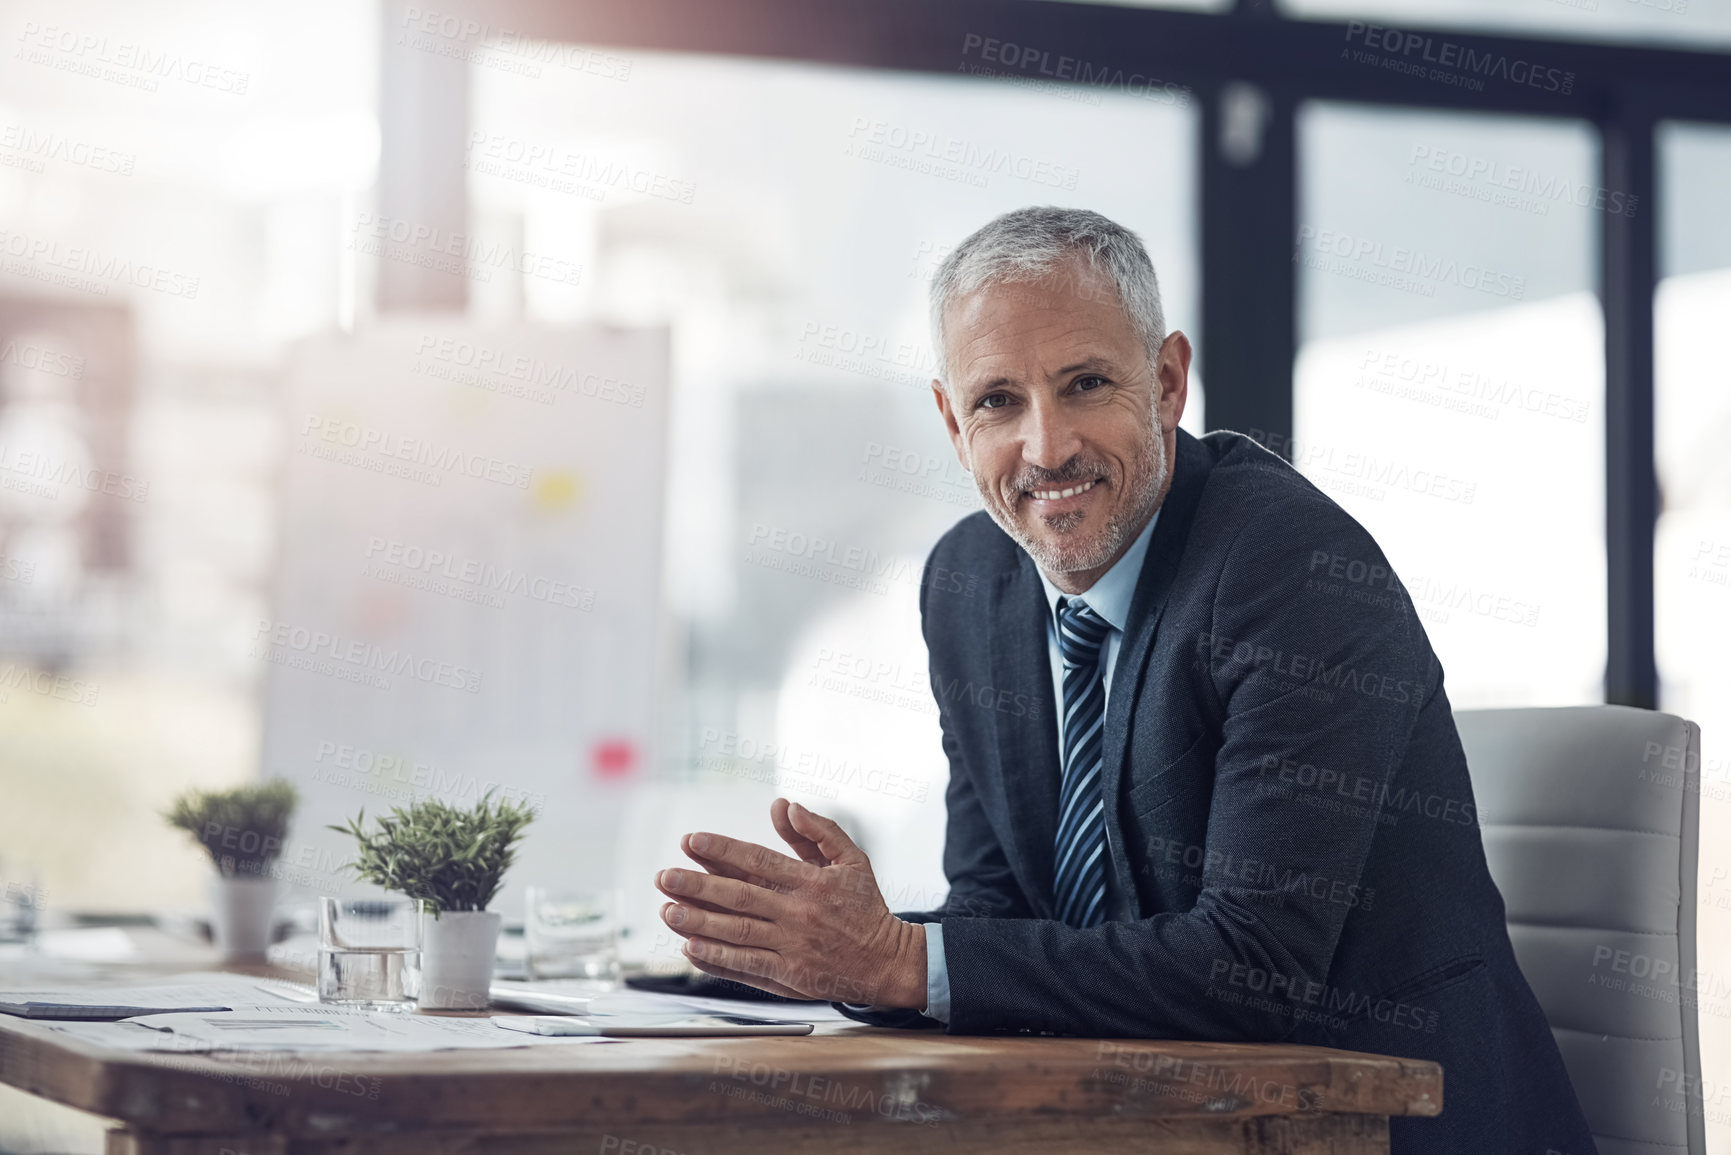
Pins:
x: 1089, y: 383
x: 993, y: 401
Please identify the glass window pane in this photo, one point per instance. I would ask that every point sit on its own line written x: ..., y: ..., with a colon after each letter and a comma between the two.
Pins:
x: 1448, y: 384
x: 1692, y: 565
x: 174, y: 219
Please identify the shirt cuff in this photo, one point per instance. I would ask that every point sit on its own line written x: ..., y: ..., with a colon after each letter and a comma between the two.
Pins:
x: 937, y: 978
x: 937, y: 974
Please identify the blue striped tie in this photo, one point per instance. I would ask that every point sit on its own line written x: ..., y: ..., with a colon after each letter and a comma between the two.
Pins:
x: 1079, y: 876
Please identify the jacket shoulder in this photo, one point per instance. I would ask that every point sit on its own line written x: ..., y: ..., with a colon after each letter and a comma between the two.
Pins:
x: 1243, y: 466
x: 1247, y: 481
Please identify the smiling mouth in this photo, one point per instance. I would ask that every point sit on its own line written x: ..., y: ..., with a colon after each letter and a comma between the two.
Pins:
x: 1061, y: 494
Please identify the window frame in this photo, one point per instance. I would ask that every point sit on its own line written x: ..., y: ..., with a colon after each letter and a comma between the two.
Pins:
x: 1248, y: 203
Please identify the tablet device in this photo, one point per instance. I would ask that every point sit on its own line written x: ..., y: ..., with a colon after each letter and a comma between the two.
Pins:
x: 629, y: 1026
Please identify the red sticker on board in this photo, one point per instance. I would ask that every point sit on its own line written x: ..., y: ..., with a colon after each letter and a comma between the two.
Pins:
x: 614, y: 757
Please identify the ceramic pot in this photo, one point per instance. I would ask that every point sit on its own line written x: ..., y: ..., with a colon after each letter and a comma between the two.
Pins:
x: 241, y: 910
x: 457, y: 950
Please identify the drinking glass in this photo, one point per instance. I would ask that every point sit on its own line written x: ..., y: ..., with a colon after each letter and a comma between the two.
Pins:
x: 370, y: 952
x: 20, y: 903
x: 571, y: 933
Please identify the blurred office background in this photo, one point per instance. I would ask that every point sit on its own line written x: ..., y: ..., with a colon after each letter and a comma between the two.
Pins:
x: 195, y: 198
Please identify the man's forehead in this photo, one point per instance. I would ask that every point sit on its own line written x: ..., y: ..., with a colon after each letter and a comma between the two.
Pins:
x: 1009, y: 321
x: 1075, y: 282
x: 1057, y: 349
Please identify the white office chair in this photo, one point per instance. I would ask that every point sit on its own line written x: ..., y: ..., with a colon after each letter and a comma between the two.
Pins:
x: 1590, y: 816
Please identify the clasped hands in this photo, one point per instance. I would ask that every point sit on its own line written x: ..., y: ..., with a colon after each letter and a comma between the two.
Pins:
x: 812, y: 927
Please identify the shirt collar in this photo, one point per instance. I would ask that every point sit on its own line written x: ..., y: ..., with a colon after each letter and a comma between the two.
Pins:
x: 1110, y: 596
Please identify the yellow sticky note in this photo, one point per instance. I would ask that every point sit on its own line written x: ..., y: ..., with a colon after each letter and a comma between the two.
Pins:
x: 556, y: 490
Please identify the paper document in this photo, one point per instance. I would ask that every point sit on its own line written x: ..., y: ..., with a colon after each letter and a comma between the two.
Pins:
x: 195, y: 992
x: 127, y: 1035
x: 277, y: 1027
x: 538, y: 999
x: 293, y: 992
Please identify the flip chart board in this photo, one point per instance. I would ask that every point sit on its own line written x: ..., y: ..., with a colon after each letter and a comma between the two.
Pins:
x: 466, y: 590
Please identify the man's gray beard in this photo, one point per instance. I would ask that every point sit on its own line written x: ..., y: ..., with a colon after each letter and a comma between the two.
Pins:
x: 1119, y: 527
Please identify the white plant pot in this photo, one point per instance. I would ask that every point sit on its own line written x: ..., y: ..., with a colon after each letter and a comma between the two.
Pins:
x: 241, y: 910
x: 457, y: 950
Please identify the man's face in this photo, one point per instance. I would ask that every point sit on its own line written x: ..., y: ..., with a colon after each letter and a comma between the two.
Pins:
x: 1053, y: 407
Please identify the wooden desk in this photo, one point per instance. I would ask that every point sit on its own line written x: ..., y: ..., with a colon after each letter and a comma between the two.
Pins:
x: 845, y: 1089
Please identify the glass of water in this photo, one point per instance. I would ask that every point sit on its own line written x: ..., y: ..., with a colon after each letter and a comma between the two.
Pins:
x: 370, y: 952
x: 19, y: 904
x: 571, y: 934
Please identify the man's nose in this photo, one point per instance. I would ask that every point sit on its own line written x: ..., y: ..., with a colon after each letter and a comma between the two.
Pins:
x: 1049, y: 436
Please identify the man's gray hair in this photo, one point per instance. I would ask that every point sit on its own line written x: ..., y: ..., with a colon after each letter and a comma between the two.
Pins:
x: 1032, y: 243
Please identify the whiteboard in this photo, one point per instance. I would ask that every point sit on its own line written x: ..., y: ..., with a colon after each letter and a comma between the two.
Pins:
x: 466, y: 589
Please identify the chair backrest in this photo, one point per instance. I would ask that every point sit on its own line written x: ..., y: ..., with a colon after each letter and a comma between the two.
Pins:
x: 1589, y: 816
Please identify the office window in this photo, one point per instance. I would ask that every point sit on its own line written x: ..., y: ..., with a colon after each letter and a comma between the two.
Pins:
x: 787, y: 222
x: 1449, y: 380
x: 1693, y: 414
x: 1692, y: 553
x: 170, y: 230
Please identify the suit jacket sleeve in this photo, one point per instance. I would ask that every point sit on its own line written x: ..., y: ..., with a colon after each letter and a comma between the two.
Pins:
x: 1294, y: 673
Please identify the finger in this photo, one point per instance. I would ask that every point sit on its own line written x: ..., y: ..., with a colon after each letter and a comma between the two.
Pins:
x: 757, y: 981
x: 686, y: 896
x: 726, y: 895
x: 751, y: 964
x: 802, y: 846
x: 726, y: 870
x: 827, y: 835
x: 768, y: 864
x: 734, y: 929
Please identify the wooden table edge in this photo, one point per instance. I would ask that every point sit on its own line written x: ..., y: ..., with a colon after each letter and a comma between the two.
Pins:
x: 1127, y: 1078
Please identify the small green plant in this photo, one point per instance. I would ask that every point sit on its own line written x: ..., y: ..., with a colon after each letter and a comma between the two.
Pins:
x: 449, y: 858
x: 241, y: 829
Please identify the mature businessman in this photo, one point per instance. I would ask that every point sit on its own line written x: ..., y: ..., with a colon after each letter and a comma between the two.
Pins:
x: 1204, y: 779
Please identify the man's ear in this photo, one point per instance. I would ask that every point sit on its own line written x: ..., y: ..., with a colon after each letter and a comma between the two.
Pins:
x: 950, y: 425
x: 1172, y: 378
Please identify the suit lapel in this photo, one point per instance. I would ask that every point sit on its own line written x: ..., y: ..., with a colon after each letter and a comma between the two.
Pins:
x: 1165, y: 551
x: 1027, y: 742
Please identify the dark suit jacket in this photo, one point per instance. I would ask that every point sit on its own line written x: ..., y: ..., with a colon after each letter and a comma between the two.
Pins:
x: 1294, y: 852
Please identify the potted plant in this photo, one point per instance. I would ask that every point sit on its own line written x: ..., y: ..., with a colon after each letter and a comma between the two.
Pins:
x: 452, y: 860
x: 242, y: 830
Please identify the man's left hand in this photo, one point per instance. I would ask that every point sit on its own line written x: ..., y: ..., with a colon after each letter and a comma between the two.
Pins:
x: 811, y: 929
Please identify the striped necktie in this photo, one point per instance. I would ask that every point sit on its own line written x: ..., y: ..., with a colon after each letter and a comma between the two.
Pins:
x: 1079, y: 876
